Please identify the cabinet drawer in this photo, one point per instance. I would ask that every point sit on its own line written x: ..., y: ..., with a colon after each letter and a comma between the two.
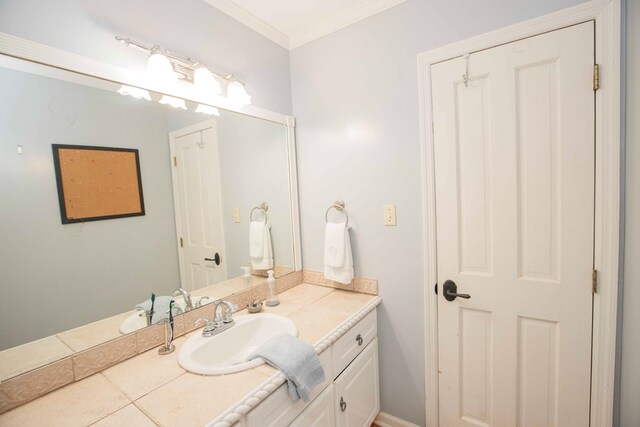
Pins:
x: 353, y: 342
x: 278, y: 409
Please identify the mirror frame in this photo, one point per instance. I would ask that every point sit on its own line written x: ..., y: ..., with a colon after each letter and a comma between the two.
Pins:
x: 41, y: 54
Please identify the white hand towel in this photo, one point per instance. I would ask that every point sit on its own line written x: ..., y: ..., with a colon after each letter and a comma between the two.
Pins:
x: 256, y: 239
x: 334, y: 243
x: 344, y: 273
x: 260, y: 236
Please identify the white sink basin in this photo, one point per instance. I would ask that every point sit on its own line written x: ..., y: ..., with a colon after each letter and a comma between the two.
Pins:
x: 135, y: 322
x: 226, y: 352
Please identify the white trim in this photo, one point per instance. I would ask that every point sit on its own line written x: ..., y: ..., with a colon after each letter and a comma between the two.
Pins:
x: 387, y: 420
x: 17, y: 47
x: 293, y: 199
x: 606, y: 14
x: 250, y: 20
x: 341, y: 21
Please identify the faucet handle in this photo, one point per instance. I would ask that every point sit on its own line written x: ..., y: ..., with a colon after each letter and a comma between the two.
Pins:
x: 199, y: 301
x: 208, y: 324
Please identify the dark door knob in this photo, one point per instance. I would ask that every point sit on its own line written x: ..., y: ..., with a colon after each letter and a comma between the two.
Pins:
x: 449, y: 290
x: 215, y: 259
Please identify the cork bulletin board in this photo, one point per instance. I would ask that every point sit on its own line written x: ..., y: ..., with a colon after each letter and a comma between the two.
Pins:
x: 96, y: 183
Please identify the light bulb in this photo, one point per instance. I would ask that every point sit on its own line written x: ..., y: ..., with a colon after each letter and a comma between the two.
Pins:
x: 159, y: 69
x: 173, y: 102
x: 207, y: 109
x: 205, y: 82
x: 237, y: 95
x: 135, y: 92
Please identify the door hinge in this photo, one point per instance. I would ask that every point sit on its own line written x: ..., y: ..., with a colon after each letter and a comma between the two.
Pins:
x: 594, y: 281
x: 181, y: 243
x: 596, y: 77
x: 175, y: 161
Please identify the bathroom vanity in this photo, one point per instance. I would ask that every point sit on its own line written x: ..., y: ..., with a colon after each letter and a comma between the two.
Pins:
x: 149, y: 389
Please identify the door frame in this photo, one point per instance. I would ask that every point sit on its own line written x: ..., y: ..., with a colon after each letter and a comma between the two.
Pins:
x: 173, y: 135
x: 606, y: 15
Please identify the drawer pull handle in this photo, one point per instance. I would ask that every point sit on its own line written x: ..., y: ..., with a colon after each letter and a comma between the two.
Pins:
x: 343, y: 404
x: 359, y: 339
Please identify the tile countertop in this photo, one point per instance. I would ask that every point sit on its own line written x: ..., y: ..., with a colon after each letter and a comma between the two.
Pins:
x: 150, y: 389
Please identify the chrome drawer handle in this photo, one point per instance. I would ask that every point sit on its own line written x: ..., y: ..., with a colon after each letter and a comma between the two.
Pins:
x: 359, y: 339
x: 343, y: 404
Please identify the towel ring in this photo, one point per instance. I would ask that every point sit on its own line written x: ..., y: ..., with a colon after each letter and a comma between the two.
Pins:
x: 339, y: 206
x: 264, y: 207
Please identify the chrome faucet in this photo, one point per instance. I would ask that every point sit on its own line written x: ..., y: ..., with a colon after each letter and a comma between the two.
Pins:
x: 220, y: 319
x: 220, y: 322
x: 187, y: 298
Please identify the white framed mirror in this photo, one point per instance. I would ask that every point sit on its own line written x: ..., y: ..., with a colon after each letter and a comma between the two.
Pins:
x: 203, y: 178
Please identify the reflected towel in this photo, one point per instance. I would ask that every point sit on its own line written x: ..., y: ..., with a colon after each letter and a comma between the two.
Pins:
x: 260, y: 246
x: 160, y: 308
x: 297, y: 360
x: 338, y: 259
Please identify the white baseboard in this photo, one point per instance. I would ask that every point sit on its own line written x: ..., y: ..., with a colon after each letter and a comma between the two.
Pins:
x: 386, y: 420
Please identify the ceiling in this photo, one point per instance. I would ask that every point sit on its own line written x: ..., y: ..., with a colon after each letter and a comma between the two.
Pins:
x: 292, y: 23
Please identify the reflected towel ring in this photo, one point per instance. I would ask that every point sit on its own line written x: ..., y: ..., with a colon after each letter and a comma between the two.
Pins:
x: 339, y: 206
x: 264, y: 207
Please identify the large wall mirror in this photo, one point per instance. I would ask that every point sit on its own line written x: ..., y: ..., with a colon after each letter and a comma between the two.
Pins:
x: 219, y: 195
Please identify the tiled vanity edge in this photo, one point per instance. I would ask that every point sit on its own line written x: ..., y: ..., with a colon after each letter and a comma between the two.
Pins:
x: 31, y: 385
x: 252, y: 399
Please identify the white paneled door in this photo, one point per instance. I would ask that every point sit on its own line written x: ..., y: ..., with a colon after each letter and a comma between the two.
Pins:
x: 514, y: 160
x: 198, y: 205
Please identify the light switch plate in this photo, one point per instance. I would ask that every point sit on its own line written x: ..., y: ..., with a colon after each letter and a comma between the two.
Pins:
x: 236, y: 214
x: 389, y: 214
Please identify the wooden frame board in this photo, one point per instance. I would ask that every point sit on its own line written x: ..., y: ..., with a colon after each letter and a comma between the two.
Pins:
x: 97, y: 183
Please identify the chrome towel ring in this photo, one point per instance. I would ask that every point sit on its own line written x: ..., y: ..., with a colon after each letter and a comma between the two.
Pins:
x: 264, y: 207
x: 339, y: 206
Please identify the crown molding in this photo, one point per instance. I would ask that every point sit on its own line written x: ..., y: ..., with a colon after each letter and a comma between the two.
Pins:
x: 315, y: 32
x: 251, y: 21
x: 343, y: 20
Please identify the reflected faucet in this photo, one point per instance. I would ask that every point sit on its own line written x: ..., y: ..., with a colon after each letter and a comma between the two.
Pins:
x: 187, y: 298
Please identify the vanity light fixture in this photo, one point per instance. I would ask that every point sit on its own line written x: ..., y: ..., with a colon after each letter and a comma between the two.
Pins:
x: 205, y: 82
x: 166, y: 67
x: 135, y: 92
x: 237, y: 94
x: 173, y: 102
x: 208, y: 110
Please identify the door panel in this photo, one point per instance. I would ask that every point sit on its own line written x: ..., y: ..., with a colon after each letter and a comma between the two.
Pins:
x: 514, y: 168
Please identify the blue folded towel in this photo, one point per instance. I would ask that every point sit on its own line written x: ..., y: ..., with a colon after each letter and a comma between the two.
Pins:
x: 160, y: 308
x: 297, y: 360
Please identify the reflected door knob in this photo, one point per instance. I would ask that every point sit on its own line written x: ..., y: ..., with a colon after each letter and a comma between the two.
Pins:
x: 215, y: 259
x: 450, y: 289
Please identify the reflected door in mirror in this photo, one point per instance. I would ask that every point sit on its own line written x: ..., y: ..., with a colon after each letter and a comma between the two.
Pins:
x: 197, y: 198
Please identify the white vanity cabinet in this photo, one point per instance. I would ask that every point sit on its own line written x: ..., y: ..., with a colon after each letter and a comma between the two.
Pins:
x: 349, y: 397
x: 357, y: 392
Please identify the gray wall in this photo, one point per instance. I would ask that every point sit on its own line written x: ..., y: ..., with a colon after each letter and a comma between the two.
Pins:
x: 630, y: 367
x: 57, y: 276
x: 189, y: 27
x: 355, y: 98
x: 254, y: 168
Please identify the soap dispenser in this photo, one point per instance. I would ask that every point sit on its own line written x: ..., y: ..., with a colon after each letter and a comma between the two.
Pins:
x: 246, y: 276
x: 272, y: 297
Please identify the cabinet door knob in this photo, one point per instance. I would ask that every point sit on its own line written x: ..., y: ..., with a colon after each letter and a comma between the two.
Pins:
x: 343, y: 404
x: 359, y: 339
